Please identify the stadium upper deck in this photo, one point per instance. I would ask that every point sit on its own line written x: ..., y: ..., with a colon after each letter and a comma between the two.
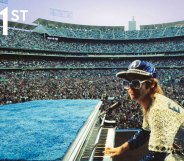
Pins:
x: 52, y: 28
x: 162, y: 25
x: 72, y: 39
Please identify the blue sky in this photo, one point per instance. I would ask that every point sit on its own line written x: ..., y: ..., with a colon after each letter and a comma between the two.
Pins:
x: 102, y: 12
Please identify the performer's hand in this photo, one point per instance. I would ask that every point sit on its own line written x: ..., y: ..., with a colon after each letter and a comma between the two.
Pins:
x: 112, y: 151
x: 109, y: 151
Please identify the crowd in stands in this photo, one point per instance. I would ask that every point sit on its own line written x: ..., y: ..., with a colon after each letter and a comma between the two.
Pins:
x: 34, y: 41
x: 27, y: 85
x: 106, y: 33
x: 113, y: 33
x: 30, y: 79
x: 80, y: 84
x: 32, y: 62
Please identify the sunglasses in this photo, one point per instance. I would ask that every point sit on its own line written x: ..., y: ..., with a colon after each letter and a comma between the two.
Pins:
x: 136, y: 84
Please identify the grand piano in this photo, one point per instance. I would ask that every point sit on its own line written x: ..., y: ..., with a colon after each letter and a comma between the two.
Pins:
x: 96, y: 134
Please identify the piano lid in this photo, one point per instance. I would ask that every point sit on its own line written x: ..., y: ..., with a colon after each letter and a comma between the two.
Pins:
x: 76, y: 146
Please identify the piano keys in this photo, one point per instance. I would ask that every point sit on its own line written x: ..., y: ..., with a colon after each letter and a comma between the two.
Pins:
x: 93, y: 138
x: 106, y: 139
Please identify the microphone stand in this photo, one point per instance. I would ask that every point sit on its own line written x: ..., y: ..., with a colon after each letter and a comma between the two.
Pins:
x: 109, y: 123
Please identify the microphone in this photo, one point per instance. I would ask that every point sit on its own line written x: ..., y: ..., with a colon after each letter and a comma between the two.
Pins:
x: 115, y: 105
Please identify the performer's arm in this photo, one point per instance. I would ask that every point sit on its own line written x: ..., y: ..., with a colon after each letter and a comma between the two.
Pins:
x: 139, y: 139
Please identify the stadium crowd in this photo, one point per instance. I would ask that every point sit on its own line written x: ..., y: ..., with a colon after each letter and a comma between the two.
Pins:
x: 55, y: 63
x: 27, y: 85
x: 66, y: 63
x: 34, y: 41
x: 28, y: 78
x: 112, y: 33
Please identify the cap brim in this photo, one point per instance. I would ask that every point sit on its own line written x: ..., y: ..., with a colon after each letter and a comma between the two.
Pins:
x: 131, y: 75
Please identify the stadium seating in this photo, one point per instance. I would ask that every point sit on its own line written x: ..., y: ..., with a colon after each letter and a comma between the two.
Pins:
x: 79, y: 62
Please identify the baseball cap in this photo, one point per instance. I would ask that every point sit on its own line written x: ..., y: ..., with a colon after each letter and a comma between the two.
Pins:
x: 138, y: 69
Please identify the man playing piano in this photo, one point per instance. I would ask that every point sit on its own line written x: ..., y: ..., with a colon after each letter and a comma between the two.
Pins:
x: 162, y: 117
